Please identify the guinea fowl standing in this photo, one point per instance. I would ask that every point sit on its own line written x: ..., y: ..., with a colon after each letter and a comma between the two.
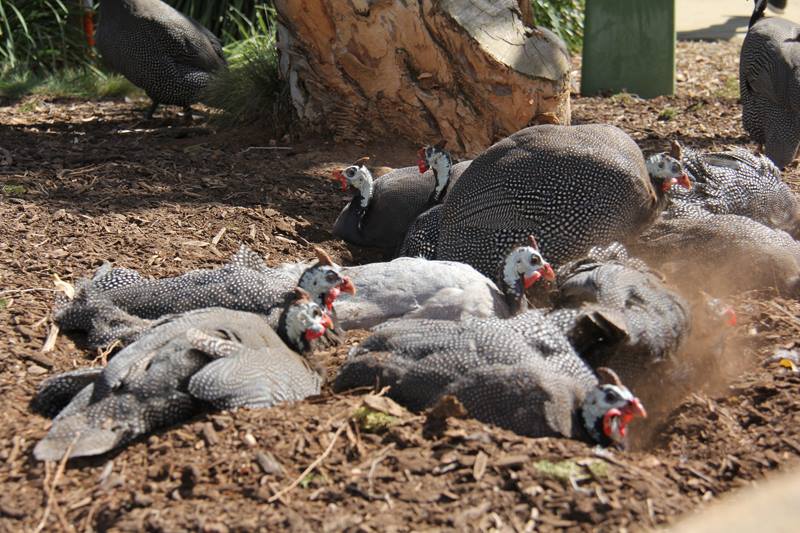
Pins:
x: 574, y: 187
x: 419, y: 288
x: 618, y: 314
x: 245, y: 283
x: 217, y: 357
x: 769, y: 83
x: 520, y: 374
x: 737, y: 182
x: 382, y: 209
x: 170, y: 56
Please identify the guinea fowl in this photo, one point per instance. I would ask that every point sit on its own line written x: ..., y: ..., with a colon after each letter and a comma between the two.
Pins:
x: 769, y: 83
x: 723, y: 254
x: 520, y: 374
x: 245, y: 283
x: 737, y: 182
x: 382, y: 209
x: 618, y: 314
x: 419, y: 288
x: 170, y: 56
x: 209, y: 357
x: 572, y: 186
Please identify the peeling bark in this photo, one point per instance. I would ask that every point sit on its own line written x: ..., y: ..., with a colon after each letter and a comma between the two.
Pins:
x: 467, y: 71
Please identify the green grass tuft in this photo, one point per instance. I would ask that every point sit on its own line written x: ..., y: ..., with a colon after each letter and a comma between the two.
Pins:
x: 729, y: 89
x: 13, y: 189
x: 668, y: 113
x: 3, y: 303
x: 67, y: 83
x: 566, y: 470
x: 371, y: 421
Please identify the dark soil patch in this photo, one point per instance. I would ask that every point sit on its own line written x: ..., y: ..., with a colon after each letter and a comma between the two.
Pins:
x: 88, y: 182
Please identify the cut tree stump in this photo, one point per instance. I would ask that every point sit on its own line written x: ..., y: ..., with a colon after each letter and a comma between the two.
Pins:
x: 466, y: 71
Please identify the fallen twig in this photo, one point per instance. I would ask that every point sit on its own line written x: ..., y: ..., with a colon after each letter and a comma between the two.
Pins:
x: 56, y: 478
x: 311, y: 467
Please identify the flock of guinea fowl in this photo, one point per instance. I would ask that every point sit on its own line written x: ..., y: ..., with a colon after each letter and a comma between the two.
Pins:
x: 553, y: 285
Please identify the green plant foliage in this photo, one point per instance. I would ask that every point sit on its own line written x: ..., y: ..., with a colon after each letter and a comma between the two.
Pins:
x: 371, y: 421
x: 566, y: 470
x: 13, y: 189
x: 251, y: 90
x: 44, y: 34
x: 65, y: 83
x: 564, y: 17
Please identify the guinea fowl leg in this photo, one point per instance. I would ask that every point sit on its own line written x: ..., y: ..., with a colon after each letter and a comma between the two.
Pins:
x: 187, y: 113
x: 151, y: 110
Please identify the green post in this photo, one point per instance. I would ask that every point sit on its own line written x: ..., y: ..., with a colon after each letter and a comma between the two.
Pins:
x: 629, y: 45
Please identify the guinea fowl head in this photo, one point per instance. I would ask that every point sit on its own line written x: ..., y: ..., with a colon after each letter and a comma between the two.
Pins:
x: 437, y: 159
x: 356, y: 175
x: 666, y: 171
x: 303, y: 322
x: 324, y: 281
x: 609, y: 408
x: 718, y: 310
x: 523, y: 267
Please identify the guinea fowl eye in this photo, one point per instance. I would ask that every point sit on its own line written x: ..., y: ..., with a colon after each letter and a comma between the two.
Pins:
x: 612, y: 397
x: 350, y: 172
x: 331, y: 276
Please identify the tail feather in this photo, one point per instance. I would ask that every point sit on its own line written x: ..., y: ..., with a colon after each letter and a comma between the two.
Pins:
x: 55, y: 393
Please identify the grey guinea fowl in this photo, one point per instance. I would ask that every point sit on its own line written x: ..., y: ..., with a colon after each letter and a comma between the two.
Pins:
x: 723, y: 254
x: 170, y: 56
x: 572, y: 186
x: 210, y: 357
x: 420, y: 288
x: 769, y: 83
x: 619, y: 314
x: 736, y: 182
x: 520, y: 374
x: 245, y: 283
x: 381, y: 210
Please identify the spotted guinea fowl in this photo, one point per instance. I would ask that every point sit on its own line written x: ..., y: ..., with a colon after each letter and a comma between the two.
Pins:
x: 769, y: 83
x: 520, y: 374
x: 209, y: 357
x: 382, y: 209
x: 170, y: 56
x: 618, y: 314
x: 245, y: 283
x: 723, y: 254
x: 420, y: 288
x: 736, y: 182
x: 572, y: 186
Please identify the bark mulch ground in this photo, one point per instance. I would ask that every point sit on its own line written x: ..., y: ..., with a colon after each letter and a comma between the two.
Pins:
x: 85, y: 182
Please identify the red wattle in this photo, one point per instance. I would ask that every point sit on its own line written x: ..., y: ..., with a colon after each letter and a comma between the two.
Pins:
x: 530, y: 280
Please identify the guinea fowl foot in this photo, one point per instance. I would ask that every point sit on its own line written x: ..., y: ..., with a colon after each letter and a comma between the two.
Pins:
x: 187, y: 114
x: 149, y: 113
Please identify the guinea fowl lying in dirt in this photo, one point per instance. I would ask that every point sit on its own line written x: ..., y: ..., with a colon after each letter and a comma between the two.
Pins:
x: 618, y: 314
x: 520, y: 374
x: 382, y: 209
x: 113, y: 304
x: 419, y: 288
x: 573, y: 187
x: 722, y: 254
x: 217, y: 357
x: 736, y: 182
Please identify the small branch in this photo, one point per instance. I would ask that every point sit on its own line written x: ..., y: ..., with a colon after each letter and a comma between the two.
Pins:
x: 18, y: 291
x: 56, y: 478
x: 266, y: 148
x: 311, y: 467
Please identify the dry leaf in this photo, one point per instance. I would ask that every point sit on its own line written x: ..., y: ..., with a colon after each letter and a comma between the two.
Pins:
x: 64, y: 287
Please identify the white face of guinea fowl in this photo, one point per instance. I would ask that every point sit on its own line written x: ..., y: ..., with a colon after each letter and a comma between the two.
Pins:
x: 359, y: 177
x: 525, y: 266
x: 324, y: 283
x: 666, y: 171
x: 437, y: 159
x: 616, y: 406
x: 306, y: 320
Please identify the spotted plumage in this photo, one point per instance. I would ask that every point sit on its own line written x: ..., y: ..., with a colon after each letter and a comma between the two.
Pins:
x: 769, y: 83
x: 520, y: 373
x: 736, y: 182
x: 209, y: 357
x: 618, y: 314
x: 381, y: 210
x: 572, y: 186
x: 245, y: 283
x: 170, y: 56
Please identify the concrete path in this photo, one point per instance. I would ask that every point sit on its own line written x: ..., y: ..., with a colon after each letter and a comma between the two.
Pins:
x: 720, y: 19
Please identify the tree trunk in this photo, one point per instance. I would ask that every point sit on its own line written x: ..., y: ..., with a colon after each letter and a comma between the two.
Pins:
x: 466, y: 71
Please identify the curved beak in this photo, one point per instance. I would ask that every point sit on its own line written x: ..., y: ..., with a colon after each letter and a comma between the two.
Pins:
x: 347, y: 286
x: 632, y: 410
x: 339, y: 176
x: 684, y: 182
x: 422, y: 164
x: 547, y: 272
